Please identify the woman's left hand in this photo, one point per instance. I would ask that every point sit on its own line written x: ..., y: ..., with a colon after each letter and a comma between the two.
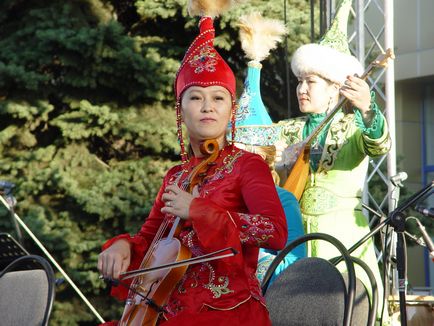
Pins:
x: 357, y: 91
x: 177, y: 201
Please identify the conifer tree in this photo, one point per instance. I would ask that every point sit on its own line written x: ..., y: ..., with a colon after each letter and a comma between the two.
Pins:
x: 87, y: 127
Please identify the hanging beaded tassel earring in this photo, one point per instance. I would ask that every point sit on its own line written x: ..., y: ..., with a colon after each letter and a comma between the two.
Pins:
x: 233, y: 127
x: 328, y: 105
x: 184, y: 156
x: 233, y: 118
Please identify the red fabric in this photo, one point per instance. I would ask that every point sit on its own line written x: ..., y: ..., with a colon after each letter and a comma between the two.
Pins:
x: 202, y: 64
x: 238, y: 207
x: 249, y: 313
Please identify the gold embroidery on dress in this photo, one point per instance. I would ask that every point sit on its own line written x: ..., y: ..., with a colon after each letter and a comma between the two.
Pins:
x: 377, y: 147
x: 181, y: 288
x: 263, y: 239
x: 256, y: 227
x: 188, y: 239
x: 334, y: 142
x: 229, y: 163
x: 292, y: 130
x: 230, y: 308
x: 226, y: 168
x: 221, y: 287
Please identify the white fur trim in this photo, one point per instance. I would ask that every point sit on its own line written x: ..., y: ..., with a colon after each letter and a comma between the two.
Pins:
x: 325, y: 62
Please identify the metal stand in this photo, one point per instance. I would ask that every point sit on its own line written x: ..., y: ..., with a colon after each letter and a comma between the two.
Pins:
x: 396, y: 219
x: 398, y: 224
x: 51, y: 258
x: 10, y: 250
x: 392, y: 269
x: 6, y: 191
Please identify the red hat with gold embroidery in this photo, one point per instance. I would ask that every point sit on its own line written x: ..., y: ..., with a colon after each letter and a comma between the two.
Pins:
x: 202, y: 64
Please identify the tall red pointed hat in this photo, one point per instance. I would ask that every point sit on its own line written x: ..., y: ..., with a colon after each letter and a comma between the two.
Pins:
x: 202, y: 64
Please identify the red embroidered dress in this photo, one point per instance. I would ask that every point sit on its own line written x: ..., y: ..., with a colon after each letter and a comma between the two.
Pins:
x: 237, y: 207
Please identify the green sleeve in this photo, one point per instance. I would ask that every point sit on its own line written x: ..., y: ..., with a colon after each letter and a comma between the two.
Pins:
x: 376, y: 127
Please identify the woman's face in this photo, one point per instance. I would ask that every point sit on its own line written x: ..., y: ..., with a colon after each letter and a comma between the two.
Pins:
x: 206, y: 112
x: 316, y: 94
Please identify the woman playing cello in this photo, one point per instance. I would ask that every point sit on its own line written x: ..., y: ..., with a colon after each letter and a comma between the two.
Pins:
x: 235, y: 205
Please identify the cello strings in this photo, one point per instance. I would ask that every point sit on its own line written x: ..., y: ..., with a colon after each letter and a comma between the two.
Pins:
x: 184, y: 186
x: 160, y: 232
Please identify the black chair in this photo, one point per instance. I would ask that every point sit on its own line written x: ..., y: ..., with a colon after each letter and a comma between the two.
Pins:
x: 365, y: 307
x: 311, y: 291
x: 27, y: 295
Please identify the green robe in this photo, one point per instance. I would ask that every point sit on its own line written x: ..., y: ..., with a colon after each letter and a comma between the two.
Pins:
x: 331, y: 202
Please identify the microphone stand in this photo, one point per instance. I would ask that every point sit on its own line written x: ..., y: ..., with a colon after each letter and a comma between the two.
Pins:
x: 396, y: 219
x: 382, y: 216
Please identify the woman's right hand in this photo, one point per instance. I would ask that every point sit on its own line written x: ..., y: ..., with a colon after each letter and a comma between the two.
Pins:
x: 279, y: 161
x: 115, y: 259
x: 280, y: 146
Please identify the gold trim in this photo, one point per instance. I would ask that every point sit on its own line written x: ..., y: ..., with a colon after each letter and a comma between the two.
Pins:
x: 230, y: 216
x: 231, y: 308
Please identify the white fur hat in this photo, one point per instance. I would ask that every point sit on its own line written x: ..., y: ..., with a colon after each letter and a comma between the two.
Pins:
x: 331, y: 58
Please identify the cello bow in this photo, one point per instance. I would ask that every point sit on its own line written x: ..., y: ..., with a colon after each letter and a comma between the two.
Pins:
x: 180, y: 263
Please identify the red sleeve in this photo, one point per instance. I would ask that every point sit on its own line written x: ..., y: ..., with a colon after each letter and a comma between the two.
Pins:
x: 140, y: 241
x: 264, y: 224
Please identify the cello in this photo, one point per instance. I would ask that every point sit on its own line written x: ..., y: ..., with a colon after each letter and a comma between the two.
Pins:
x: 296, y: 158
x: 166, y: 260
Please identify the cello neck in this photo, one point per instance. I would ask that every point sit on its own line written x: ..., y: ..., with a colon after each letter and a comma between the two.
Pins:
x: 175, y: 225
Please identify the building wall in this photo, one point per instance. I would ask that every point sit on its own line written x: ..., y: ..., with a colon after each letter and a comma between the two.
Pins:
x: 409, y: 153
x: 414, y: 68
x: 414, y: 38
x: 408, y: 101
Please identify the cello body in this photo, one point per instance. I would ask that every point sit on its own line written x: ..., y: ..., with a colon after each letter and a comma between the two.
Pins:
x: 150, y: 292
x: 156, y: 285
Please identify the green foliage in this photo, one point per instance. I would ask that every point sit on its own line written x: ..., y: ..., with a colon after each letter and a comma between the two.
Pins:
x: 160, y: 8
x: 56, y: 48
x: 87, y: 125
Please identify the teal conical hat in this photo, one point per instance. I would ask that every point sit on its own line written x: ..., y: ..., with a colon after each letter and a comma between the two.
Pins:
x: 258, y: 36
x: 254, y: 125
x: 331, y: 58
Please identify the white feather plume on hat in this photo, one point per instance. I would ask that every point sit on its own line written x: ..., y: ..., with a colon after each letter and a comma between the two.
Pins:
x: 212, y: 8
x: 259, y: 35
